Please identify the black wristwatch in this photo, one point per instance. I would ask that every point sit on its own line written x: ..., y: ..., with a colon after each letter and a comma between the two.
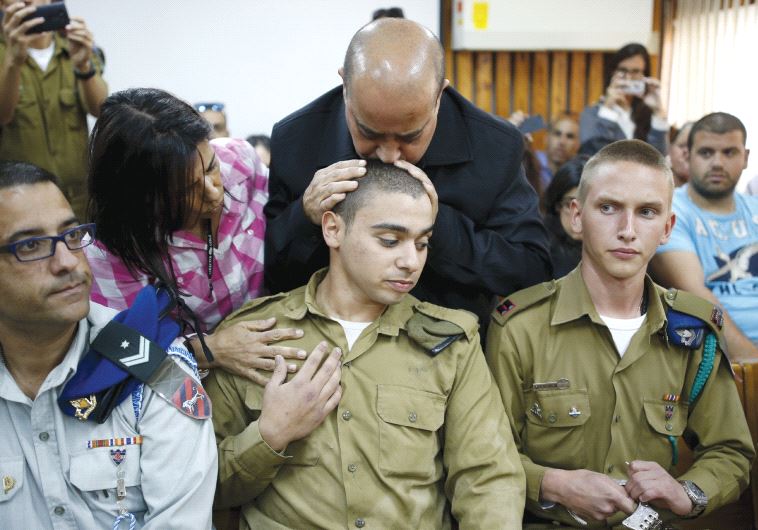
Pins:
x: 83, y: 76
x: 697, y: 496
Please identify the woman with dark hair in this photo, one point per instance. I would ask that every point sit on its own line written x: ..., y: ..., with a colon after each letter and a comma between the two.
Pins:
x: 631, y: 107
x: 565, y: 245
x: 174, y: 208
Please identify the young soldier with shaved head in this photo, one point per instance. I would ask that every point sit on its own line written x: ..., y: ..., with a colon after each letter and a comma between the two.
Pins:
x: 393, y: 421
x: 395, y: 105
x: 602, y: 371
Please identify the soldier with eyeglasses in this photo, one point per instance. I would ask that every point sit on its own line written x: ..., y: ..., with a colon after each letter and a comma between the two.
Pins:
x: 58, y: 467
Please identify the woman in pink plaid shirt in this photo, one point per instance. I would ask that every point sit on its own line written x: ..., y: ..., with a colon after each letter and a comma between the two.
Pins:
x: 170, y: 206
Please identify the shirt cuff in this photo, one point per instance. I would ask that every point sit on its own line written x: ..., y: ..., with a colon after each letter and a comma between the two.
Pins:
x: 257, y: 457
x: 658, y: 123
x: 534, y: 476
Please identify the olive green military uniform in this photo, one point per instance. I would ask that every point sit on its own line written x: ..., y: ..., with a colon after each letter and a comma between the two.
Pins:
x: 574, y: 404
x: 412, y: 429
x: 49, y: 126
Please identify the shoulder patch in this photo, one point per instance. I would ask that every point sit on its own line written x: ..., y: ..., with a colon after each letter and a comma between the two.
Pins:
x: 249, y: 307
x: 435, y: 328
x: 520, y: 300
x: 692, y: 305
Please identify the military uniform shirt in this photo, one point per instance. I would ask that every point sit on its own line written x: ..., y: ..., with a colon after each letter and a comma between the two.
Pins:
x: 51, y: 479
x: 613, y: 409
x: 411, y: 429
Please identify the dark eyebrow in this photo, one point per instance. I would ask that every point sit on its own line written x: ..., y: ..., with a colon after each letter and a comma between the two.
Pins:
x: 399, y: 228
x: 367, y: 131
x: 35, y: 232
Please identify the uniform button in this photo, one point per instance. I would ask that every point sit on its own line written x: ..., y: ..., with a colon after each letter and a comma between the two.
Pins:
x: 250, y: 232
x: 44, y: 436
x: 669, y: 295
x: 610, y: 468
x: 552, y: 418
x: 617, y: 418
x: 352, y: 468
x: 669, y: 427
x: 347, y: 415
x: 412, y: 417
x: 360, y: 523
x: 348, y: 364
x: 59, y: 510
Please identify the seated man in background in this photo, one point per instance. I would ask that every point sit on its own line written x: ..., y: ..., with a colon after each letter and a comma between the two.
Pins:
x: 48, y: 85
x: 214, y: 114
x: 402, y: 416
x: 713, y: 251
x: 562, y: 146
x: 76, y: 463
x: 602, y: 371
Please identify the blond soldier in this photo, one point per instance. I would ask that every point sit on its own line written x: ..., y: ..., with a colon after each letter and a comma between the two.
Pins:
x: 603, y: 371
x: 405, y: 421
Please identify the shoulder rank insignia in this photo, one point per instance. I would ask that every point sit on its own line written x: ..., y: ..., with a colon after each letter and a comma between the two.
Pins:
x: 717, y: 317
x: 506, y: 307
x: 684, y: 330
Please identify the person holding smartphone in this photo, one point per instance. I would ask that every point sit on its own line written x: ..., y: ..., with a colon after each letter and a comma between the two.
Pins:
x: 631, y: 107
x: 49, y: 82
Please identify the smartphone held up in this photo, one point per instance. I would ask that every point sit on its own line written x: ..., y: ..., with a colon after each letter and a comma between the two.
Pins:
x: 55, y: 15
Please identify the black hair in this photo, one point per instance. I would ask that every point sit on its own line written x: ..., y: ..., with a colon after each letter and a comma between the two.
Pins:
x: 717, y: 123
x: 388, y: 12
x: 379, y: 177
x: 567, y: 177
x: 142, y: 155
x: 14, y: 173
x: 259, y: 139
x: 641, y: 113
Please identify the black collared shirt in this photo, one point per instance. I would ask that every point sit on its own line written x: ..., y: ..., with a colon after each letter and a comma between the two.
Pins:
x: 488, y: 238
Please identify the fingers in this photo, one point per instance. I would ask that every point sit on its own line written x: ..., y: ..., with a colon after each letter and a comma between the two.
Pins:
x: 419, y: 174
x: 256, y: 377
x: 329, y: 185
x: 280, y: 373
x: 279, y: 334
x: 259, y: 325
x: 311, y: 364
x: 327, y: 370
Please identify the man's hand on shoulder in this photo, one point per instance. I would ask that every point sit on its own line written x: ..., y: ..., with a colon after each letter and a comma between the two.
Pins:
x: 329, y: 186
x: 294, y: 409
x: 586, y: 493
x: 649, y: 482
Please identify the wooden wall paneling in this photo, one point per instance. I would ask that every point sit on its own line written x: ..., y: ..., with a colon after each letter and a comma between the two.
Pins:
x: 578, y: 82
x: 464, y: 74
x: 540, y: 97
x: 521, y: 81
x: 503, y: 84
x: 446, y: 30
x: 558, y: 84
x: 595, y: 82
x: 483, y: 85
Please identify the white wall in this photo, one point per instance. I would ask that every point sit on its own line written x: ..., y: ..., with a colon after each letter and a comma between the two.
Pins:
x: 262, y: 58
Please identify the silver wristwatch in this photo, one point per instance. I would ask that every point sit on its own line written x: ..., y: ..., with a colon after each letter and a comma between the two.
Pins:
x: 697, y: 496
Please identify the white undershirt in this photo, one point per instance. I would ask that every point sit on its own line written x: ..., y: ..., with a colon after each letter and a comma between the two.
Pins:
x: 42, y: 56
x: 622, y: 330
x: 352, y: 330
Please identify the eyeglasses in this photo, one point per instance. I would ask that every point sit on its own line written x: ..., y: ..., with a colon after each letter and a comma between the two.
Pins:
x: 202, y: 107
x: 36, y: 248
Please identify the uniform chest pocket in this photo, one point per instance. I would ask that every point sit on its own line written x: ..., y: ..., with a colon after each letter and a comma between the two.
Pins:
x: 661, y: 420
x: 12, y: 476
x: 408, y: 438
x: 555, y: 427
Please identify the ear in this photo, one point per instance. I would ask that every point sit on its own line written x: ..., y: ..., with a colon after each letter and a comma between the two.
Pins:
x: 332, y: 229
x: 747, y: 155
x: 668, y: 229
x: 576, y: 216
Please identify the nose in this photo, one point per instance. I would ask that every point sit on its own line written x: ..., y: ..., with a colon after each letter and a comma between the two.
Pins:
x: 409, y: 258
x: 627, y: 230
x: 64, y: 260
x: 388, y: 152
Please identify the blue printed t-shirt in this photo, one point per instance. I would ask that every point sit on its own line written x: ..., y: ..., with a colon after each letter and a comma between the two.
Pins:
x: 727, y: 246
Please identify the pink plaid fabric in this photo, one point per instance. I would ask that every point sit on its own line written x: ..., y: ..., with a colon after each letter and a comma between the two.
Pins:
x: 238, y: 260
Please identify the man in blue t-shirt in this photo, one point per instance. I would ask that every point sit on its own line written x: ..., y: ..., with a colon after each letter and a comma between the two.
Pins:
x: 713, y: 250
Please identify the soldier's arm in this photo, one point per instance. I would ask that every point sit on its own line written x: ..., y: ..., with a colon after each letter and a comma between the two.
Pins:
x: 724, y: 452
x: 682, y: 269
x: 485, y: 479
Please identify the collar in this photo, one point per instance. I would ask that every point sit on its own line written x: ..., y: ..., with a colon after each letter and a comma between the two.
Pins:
x: 303, y: 301
x: 450, y: 143
x: 573, y: 302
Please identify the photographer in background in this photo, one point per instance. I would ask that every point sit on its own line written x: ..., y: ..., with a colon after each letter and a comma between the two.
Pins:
x: 48, y: 83
x: 631, y: 107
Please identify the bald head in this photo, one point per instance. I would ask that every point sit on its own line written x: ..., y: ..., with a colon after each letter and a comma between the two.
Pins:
x: 397, y: 53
